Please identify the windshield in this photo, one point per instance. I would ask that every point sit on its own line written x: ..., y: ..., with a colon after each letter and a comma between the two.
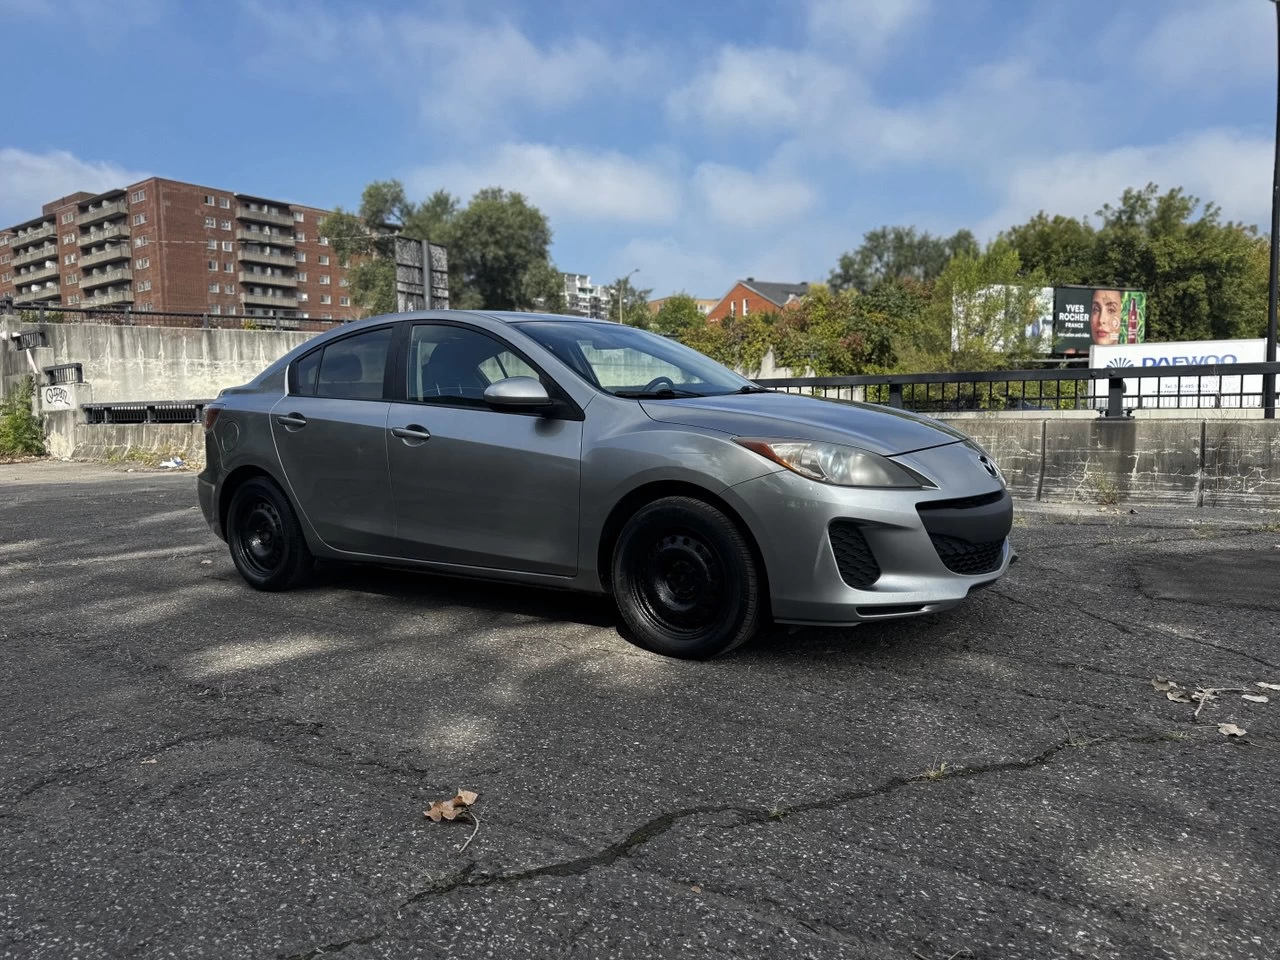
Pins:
x: 628, y: 362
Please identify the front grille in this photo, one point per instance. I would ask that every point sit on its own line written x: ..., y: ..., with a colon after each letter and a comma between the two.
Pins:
x: 961, y: 556
x: 963, y: 503
x: 854, y: 559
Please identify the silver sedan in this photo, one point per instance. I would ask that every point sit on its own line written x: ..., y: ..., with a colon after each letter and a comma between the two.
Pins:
x: 596, y: 457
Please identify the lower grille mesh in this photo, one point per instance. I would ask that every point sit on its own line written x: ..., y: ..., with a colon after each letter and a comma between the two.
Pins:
x: 961, y: 556
x: 854, y: 559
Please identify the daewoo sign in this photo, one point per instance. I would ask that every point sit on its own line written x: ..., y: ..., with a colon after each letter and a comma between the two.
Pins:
x: 1173, y: 391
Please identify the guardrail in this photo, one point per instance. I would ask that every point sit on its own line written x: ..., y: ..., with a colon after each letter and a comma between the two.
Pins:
x: 1113, y: 391
x: 164, y: 411
x: 120, y: 315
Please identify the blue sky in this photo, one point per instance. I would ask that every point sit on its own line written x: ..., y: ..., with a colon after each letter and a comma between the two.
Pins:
x: 698, y: 142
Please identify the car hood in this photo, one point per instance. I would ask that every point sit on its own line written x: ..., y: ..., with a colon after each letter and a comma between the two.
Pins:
x: 880, y: 429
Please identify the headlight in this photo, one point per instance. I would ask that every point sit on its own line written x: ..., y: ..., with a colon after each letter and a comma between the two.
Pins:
x: 834, y: 463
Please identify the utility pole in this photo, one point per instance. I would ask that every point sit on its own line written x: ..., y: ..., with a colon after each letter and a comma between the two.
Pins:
x: 1273, y: 293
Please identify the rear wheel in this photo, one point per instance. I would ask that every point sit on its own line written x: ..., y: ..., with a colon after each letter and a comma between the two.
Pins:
x: 267, y: 545
x: 685, y: 579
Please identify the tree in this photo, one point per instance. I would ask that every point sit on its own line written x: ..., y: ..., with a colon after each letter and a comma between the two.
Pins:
x: 833, y: 333
x: 496, y: 241
x: 898, y: 253
x: 544, y: 288
x: 632, y: 301
x: 678, y: 315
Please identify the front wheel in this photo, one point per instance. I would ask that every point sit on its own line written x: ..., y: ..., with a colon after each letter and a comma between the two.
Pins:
x: 685, y: 579
x: 267, y: 545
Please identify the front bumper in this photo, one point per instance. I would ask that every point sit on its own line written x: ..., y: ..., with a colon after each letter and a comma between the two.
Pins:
x: 916, y: 553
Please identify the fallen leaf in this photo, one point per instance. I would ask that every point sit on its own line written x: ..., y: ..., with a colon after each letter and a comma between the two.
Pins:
x: 1231, y: 730
x: 205, y: 563
x: 152, y: 760
x: 1255, y: 698
x: 1267, y: 686
x: 1163, y: 683
x: 1178, y: 696
x: 696, y: 889
x: 451, y: 809
x: 466, y: 797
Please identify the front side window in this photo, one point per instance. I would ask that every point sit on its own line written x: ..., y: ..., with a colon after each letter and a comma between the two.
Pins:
x: 454, y: 365
x: 628, y: 362
x: 353, y: 368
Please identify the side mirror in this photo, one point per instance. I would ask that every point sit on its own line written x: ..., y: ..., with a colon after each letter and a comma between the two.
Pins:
x: 517, y: 393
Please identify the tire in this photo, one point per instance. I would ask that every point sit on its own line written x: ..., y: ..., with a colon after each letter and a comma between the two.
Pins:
x: 685, y: 580
x: 267, y: 545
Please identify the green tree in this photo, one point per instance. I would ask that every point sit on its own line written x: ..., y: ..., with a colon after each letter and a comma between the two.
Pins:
x: 898, y: 253
x: 628, y: 303
x: 496, y: 241
x: 545, y: 288
x: 678, y: 315
x: 21, y: 433
x: 834, y: 333
x: 1062, y: 248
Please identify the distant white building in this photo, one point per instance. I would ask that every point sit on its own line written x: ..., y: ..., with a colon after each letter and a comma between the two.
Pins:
x: 584, y: 298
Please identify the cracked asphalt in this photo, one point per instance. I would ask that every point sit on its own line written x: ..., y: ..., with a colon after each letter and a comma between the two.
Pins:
x: 192, y: 769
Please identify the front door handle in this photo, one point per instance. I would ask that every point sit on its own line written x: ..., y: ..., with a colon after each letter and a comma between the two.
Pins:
x: 411, y: 432
x: 295, y: 420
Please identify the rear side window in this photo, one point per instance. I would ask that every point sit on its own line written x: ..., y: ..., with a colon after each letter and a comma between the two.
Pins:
x: 304, y: 374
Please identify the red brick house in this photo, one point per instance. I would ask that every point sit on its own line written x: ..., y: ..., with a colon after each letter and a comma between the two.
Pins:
x: 754, y: 296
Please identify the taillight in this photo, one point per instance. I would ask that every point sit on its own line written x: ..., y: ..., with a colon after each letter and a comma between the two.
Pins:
x: 211, y: 415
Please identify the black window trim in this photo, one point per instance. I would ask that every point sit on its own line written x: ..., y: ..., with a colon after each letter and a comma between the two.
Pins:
x: 388, y: 368
x: 563, y: 408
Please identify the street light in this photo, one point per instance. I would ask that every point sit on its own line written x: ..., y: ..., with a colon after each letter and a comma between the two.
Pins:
x: 1273, y: 292
x: 621, y: 284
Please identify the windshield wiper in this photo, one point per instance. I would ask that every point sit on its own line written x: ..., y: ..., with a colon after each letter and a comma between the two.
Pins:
x: 753, y: 388
x: 666, y: 393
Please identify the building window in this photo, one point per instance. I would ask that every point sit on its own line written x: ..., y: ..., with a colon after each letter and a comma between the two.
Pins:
x: 213, y: 244
x: 344, y: 301
x: 139, y: 219
x: 71, y: 278
x: 68, y: 217
x: 69, y: 258
x: 208, y: 200
x: 300, y: 237
x: 6, y: 258
x: 733, y: 308
x: 69, y: 238
x: 225, y: 203
x: 326, y: 316
x: 325, y: 298
x: 300, y: 257
x: 215, y: 308
x: 7, y: 277
x: 228, y: 268
x: 297, y: 216
x: 210, y: 223
x: 324, y: 280
x: 302, y: 277
x: 303, y: 297
x: 138, y: 196
x: 344, y: 282
x: 140, y: 241
x: 142, y: 263
x: 147, y: 307
x: 324, y: 241
x: 144, y: 286
x: 214, y: 288
x: 213, y: 265
x: 324, y: 260
x: 226, y: 224
x: 228, y: 288
x: 226, y: 246
x: 744, y: 306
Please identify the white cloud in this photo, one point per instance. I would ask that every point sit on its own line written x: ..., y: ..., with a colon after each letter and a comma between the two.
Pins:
x: 740, y: 199
x: 1202, y: 45
x: 564, y: 182
x: 868, y: 25
x: 28, y: 180
x: 1221, y: 166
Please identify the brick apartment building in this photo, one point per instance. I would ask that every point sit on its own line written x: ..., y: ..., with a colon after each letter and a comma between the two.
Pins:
x: 754, y: 296
x: 166, y: 246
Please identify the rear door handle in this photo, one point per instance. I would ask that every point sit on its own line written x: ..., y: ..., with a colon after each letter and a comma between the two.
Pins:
x: 411, y: 432
x: 295, y: 420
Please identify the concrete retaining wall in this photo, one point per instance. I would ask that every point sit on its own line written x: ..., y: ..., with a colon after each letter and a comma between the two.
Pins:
x: 70, y: 438
x: 151, y: 363
x: 1200, y: 462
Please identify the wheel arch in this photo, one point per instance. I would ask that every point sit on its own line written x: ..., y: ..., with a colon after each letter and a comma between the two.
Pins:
x: 236, y: 479
x: 647, y: 493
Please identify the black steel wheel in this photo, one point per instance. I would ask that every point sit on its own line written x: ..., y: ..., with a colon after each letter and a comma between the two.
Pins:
x: 685, y: 579
x: 266, y: 540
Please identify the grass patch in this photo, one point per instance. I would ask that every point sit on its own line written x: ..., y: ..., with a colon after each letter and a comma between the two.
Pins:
x: 144, y: 457
x: 1103, y: 489
x: 21, y: 434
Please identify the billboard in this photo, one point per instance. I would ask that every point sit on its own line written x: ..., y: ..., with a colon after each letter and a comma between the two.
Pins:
x: 1084, y: 317
x: 1171, y: 391
x: 988, y: 314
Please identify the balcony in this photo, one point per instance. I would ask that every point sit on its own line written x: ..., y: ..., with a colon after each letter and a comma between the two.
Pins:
x: 116, y: 208
x: 267, y: 279
x: 261, y: 216
x: 276, y: 239
x: 121, y: 252
x: 90, y: 280
x: 277, y: 303
x: 30, y: 237
x: 43, y: 273
x: 107, y: 299
x: 271, y: 259
x: 114, y: 231
x: 33, y: 256
x: 37, y: 296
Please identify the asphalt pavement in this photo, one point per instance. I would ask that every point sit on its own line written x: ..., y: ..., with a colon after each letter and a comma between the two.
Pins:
x: 192, y: 769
